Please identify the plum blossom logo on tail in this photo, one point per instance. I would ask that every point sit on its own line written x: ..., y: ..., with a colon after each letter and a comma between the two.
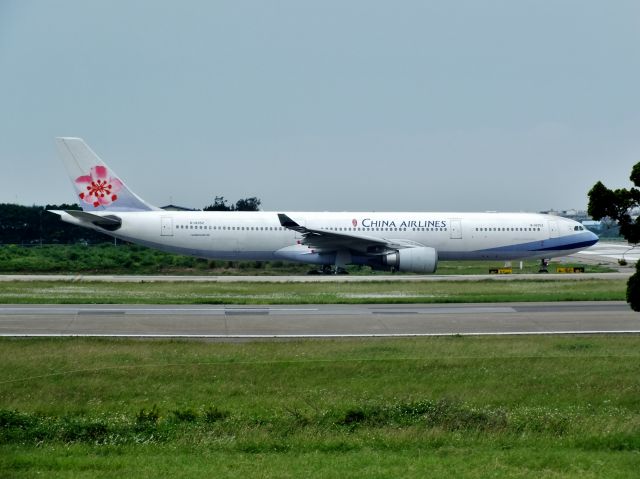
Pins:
x: 98, y: 188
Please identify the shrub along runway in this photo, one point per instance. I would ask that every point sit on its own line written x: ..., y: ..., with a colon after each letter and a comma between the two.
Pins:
x: 310, y: 321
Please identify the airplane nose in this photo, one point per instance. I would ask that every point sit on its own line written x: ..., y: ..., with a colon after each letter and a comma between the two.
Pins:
x: 593, y: 238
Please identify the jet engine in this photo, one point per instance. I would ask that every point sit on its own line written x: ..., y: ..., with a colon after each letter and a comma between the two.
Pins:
x: 421, y: 259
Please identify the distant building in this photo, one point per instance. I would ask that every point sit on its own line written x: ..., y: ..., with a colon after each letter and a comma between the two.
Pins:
x: 176, y: 208
x: 593, y: 225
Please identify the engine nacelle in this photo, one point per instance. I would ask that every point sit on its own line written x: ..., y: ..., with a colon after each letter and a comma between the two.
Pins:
x: 422, y: 260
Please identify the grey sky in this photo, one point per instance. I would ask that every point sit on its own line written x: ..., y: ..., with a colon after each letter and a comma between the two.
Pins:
x: 332, y: 105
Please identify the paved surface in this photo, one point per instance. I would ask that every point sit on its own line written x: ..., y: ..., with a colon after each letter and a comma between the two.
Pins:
x: 610, y: 252
x: 318, y: 320
x: 309, y: 278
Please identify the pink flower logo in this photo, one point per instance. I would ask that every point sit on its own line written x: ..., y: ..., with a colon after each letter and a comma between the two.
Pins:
x: 354, y: 222
x: 98, y: 188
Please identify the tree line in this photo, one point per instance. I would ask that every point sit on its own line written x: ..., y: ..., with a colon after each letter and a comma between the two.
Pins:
x: 29, y: 225
x: 244, y: 204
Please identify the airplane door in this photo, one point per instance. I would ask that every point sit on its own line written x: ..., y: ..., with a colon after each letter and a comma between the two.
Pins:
x: 553, y: 229
x: 166, y: 228
x: 455, y: 226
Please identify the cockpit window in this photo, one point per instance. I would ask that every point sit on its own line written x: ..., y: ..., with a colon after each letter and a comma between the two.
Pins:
x: 578, y: 228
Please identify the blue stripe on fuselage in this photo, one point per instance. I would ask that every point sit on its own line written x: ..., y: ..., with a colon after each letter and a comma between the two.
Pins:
x: 571, y: 242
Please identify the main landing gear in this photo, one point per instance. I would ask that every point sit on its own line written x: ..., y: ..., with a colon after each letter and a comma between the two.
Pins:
x: 342, y: 259
x: 328, y: 269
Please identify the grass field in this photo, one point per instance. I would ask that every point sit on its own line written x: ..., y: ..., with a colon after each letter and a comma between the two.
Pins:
x: 311, y: 293
x: 432, y: 407
x: 439, y: 407
x: 133, y: 259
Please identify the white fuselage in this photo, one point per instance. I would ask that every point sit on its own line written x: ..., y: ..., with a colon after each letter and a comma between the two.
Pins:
x: 260, y: 235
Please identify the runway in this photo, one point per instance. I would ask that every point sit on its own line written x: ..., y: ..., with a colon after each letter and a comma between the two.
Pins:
x: 316, y: 321
x: 106, y: 278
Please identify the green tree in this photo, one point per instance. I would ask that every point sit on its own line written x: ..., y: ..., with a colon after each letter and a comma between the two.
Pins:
x: 219, y: 204
x: 248, y: 204
x: 617, y: 205
x: 30, y: 225
x: 245, y: 204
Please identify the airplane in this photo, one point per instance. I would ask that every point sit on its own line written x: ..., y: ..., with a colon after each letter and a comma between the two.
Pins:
x: 402, y: 241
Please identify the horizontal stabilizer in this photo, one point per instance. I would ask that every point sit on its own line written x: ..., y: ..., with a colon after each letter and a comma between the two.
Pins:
x: 83, y: 218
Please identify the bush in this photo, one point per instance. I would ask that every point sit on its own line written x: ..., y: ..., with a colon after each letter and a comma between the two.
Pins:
x: 633, y: 290
x: 79, y: 431
x: 15, y: 419
x: 147, y: 419
x: 186, y: 415
x: 213, y: 414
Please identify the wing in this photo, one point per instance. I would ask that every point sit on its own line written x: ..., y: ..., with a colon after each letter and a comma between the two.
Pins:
x: 332, y: 240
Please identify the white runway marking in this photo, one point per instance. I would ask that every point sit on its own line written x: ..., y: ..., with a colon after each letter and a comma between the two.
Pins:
x: 313, y: 336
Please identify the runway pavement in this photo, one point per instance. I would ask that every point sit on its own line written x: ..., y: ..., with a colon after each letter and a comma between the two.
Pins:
x: 317, y: 321
x: 309, y: 278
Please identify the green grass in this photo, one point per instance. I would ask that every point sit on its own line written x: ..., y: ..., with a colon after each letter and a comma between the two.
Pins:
x: 67, y: 292
x: 133, y: 259
x: 127, y: 259
x: 456, y: 407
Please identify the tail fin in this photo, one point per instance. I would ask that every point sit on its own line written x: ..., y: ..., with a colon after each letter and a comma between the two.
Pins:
x: 97, y: 186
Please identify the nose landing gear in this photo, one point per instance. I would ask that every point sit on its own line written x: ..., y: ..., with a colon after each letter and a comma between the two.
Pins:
x: 544, y: 263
